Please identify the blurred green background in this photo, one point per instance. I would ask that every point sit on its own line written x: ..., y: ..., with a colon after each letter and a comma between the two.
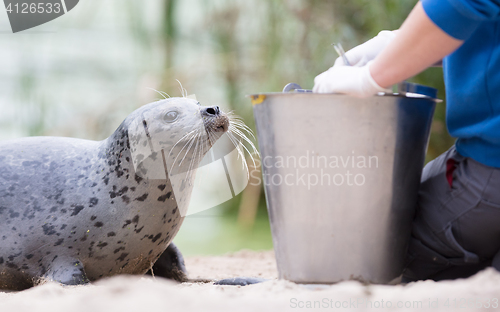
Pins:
x: 82, y: 74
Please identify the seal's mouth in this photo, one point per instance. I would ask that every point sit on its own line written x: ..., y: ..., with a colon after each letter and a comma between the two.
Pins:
x: 221, y: 128
x: 223, y: 125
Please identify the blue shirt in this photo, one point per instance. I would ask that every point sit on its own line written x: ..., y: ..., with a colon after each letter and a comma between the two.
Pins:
x: 472, y: 75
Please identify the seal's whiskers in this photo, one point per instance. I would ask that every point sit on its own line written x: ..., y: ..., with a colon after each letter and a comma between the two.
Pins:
x: 183, y: 91
x: 203, y: 148
x: 192, y: 136
x: 238, y: 122
x: 211, y: 137
x: 180, y: 140
x: 236, y: 133
x: 196, y: 152
x: 241, y: 155
x: 189, y: 148
x: 162, y: 93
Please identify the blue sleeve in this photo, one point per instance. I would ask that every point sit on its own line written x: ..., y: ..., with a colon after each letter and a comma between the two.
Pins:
x: 460, y: 18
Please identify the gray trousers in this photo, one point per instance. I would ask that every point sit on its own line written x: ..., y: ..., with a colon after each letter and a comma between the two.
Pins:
x: 456, y: 230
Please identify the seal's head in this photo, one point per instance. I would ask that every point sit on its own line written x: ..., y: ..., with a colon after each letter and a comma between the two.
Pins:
x: 169, y: 138
x: 179, y: 130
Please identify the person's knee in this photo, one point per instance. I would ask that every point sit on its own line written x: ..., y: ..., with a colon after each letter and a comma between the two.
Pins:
x: 422, y: 262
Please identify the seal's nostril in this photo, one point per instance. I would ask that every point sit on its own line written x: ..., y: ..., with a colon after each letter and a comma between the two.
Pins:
x: 214, y: 110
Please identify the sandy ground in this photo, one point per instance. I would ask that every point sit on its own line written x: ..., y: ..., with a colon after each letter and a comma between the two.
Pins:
x: 132, y: 293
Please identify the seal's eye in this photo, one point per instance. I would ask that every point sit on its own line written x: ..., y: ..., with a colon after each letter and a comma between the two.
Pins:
x: 170, y: 116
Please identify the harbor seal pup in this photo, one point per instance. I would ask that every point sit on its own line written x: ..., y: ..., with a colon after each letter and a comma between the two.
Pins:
x: 74, y: 210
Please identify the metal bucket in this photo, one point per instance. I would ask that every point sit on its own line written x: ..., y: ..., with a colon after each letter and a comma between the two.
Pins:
x: 341, y: 178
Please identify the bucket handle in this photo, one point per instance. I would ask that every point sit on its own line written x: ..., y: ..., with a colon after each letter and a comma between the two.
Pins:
x: 401, y: 88
x: 408, y: 87
x: 294, y: 87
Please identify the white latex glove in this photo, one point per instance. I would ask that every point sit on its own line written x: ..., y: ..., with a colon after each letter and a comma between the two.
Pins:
x: 368, y: 51
x: 355, y: 81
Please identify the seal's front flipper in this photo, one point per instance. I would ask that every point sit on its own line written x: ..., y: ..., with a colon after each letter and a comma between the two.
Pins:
x: 170, y: 265
x: 67, y: 272
x: 240, y: 281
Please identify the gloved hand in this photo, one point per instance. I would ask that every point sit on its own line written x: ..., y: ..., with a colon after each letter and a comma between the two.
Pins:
x: 355, y: 81
x: 368, y: 51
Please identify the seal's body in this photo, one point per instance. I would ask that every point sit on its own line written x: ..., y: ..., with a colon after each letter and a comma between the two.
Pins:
x: 75, y: 210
